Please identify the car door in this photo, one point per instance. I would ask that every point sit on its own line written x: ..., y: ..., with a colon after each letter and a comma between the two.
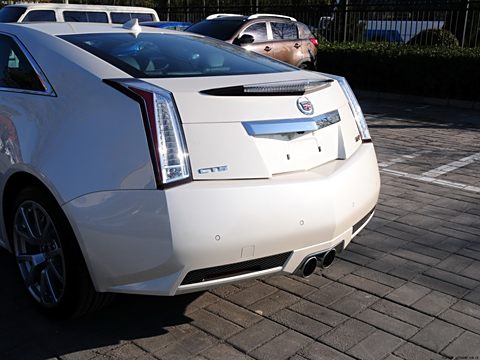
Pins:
x: 22, y: 91
x: 286, y: 45
x: 261, y: 43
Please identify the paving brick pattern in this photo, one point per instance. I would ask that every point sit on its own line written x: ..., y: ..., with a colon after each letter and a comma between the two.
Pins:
x: 408, y: 287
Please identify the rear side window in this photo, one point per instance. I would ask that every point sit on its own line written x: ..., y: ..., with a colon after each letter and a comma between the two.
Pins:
x: 258, y: 31
x: 121, y: 18
x: 11, y: 14
x: 40, y: 15
x: 304, y: 32
x: 16, y: 72
x: 85, y: 16
x: 155, y: 55
x: 284, y: 31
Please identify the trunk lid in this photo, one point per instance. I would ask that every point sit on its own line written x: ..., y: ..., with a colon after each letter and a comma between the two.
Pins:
x: 232, y: 135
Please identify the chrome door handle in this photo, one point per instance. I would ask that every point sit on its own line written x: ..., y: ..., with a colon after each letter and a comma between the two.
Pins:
x: 267, y: 48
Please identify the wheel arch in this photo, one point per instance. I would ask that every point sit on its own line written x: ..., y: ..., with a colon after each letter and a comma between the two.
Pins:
x: 310, y: 65
x: 14, y: 184
x: 13, y: 188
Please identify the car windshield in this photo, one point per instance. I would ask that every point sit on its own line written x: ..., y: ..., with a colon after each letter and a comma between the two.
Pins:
x: 218, y: 29
x: 11, y: 14
x: 154, y: 55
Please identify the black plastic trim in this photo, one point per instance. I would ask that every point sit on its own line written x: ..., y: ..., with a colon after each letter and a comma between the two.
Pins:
x: 230, y: 270
x: 359, y: 224
x: 240, y: 91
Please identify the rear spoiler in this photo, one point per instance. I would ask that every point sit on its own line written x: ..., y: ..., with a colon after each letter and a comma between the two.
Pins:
x: 279, y: 88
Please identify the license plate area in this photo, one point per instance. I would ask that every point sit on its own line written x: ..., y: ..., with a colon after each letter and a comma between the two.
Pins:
x: 299, y: 151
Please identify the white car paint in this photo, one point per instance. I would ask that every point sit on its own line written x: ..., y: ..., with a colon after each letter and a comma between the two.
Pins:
x: 86, y: 143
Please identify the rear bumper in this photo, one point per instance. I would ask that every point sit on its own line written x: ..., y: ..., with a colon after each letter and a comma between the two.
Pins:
x: 148, y: 241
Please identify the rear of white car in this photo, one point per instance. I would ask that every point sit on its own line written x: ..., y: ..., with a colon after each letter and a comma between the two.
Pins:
x: 287, y: 194
x: 251, y: 172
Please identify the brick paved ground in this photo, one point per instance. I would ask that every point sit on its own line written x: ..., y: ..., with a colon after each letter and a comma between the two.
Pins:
x: 407, y: 288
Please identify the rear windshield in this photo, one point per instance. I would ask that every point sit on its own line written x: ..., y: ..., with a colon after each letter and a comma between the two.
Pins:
x: 11, y: 14
x: 218, y: 29
x: 122, y: 18
x: 154, y: 55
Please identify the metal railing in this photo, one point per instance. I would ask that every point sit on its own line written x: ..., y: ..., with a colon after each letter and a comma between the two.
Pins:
x: 427, y: 22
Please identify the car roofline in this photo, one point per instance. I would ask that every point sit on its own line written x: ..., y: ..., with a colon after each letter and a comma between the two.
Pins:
x: 261, y: 16
x: 221, y: 16
x: 80, y: 7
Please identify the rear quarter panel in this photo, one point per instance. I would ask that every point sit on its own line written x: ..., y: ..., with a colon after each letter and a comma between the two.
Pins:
x: 87, y: 138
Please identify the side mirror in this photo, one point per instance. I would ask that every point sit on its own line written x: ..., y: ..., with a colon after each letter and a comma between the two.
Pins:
x: 245, y: 39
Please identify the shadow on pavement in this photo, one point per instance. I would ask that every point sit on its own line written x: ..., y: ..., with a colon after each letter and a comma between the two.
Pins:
x: 25, y: 333
x: 441, y: 116
x: 409, y: 126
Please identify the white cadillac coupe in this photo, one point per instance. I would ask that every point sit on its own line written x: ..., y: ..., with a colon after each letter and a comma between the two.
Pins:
x: 137, y: 160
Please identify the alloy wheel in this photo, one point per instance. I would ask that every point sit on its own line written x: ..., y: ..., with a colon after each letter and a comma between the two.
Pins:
x: 39, y: 253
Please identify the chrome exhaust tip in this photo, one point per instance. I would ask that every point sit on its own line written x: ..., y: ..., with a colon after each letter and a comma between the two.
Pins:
x: 309, y: 266
x: 326, y: 259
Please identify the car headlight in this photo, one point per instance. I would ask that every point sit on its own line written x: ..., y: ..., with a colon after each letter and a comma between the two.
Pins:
x: 354, y: 106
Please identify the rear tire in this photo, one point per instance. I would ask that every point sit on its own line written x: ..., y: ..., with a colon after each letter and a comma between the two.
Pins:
x: 49, y: 258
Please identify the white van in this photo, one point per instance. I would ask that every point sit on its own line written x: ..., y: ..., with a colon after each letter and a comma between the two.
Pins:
x: 30, y: 12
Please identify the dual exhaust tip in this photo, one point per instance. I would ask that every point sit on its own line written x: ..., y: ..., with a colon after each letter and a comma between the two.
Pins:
x: 323, y: 260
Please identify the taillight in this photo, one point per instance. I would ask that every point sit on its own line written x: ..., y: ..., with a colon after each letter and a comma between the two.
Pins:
x: 164, y: 132
x: 314, y: 41
x: 354, y: 106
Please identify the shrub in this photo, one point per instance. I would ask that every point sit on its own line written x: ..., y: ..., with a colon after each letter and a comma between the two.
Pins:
x: 437, y: 37
x: 422, y: 71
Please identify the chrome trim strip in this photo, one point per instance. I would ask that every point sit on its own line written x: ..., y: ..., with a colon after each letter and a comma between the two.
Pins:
x: 288, y: 126
x: 43, y: 79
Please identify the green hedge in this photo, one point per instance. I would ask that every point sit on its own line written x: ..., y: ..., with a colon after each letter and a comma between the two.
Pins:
x: 452, y: 73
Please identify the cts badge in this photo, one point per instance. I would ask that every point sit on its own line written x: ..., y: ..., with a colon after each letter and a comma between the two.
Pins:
x: 305, y: 105
x: 213, y: 169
